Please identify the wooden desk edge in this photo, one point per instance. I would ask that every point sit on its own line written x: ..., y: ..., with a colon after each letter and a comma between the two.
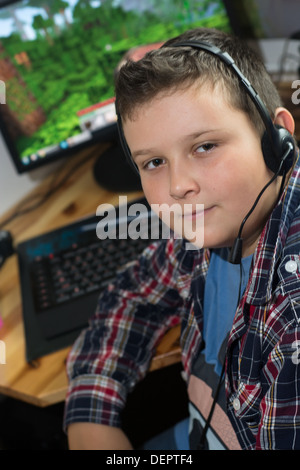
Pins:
x: 41, y: 401
x: 58, y: 395
x: 166, y: 359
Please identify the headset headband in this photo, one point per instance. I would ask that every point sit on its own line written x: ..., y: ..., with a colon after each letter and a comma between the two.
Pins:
x: 261, y: 108
x: 275, y: 141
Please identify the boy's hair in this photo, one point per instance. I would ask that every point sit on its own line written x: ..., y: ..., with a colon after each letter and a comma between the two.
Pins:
x: 169, y: 69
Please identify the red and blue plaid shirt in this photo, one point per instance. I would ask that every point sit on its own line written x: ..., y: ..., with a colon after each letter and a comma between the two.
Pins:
x: 156, y: 292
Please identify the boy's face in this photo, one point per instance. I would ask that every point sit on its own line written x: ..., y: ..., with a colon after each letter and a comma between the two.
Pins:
x: 191, y: 147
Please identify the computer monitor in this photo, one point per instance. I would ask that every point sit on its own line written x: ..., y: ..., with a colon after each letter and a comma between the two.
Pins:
x: 57, y: 65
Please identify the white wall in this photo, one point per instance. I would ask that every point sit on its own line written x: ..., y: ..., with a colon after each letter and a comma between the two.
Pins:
x: 273, y: 50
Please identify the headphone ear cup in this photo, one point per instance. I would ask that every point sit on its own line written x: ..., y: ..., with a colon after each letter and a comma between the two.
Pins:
x: 285, y: 139
x: 270, y: 159
x: 124, y: 145
x: 281, y: 138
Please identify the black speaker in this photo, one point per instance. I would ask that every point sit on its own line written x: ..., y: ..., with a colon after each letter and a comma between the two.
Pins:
x: 6, y: 246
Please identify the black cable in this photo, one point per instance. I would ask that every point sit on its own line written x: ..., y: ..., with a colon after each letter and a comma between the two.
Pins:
x: 235, y: 255
x: 201, y: 445
x: 52, y: 188
x: 257, y: 200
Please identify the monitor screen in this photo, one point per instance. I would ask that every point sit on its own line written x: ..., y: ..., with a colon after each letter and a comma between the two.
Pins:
x: 57, y: 65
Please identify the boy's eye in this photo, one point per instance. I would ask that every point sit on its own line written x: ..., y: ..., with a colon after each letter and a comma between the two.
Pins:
x: 204, y: 148
x: 155, y: 163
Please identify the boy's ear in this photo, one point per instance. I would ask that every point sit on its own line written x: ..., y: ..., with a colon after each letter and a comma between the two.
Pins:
x: 284, y: 118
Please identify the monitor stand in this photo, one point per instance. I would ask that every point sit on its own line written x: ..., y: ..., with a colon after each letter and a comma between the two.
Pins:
x: 113, y: 172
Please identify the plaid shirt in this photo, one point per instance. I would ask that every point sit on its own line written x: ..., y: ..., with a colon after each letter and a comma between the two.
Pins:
x: 157, y: 292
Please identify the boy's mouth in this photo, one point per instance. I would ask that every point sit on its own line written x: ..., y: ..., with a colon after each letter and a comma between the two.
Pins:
x: 197, y: 213
x: 194, y: 214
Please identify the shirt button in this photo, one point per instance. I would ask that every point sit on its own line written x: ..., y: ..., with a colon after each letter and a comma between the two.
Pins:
x: 291, y: 266
x: 236, y: 404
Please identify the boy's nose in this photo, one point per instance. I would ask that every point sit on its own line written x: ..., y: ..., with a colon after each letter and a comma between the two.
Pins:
x: 182, y: 182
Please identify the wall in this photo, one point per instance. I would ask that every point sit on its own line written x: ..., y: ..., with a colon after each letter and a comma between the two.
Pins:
x: 272, y: 52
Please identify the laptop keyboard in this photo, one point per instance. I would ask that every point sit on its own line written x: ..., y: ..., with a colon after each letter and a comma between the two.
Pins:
x: 63, y: 272
x: 59, y: 278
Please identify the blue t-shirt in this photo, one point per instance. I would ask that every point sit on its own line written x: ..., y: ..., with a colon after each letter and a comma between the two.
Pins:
x: 223, y: 283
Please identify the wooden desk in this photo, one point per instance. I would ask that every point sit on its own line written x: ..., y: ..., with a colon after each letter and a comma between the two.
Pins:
x: 46, y: 384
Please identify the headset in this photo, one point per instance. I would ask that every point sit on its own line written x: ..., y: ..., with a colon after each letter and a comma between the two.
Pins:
x: 278, y: 145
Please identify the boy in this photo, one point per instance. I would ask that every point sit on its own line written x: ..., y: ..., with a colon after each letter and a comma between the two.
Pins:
x: 195, y: 137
